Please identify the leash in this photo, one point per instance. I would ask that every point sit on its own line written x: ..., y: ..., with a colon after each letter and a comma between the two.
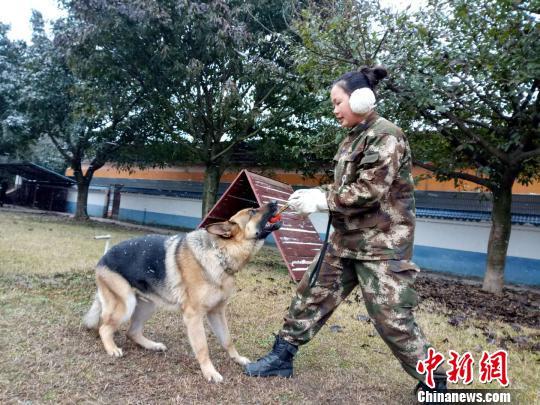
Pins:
x: 315, y: 273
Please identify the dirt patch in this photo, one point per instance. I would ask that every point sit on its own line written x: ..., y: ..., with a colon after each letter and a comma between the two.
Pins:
x: 467, y: 300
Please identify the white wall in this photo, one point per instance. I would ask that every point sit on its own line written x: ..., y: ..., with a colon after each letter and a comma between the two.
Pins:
x: 473, y: 236
x: 470, y: 236
x: 72, y: 194
x: 161, y: 204
x: 95, y: 197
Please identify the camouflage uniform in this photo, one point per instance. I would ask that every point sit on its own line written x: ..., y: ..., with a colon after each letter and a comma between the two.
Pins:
x: 373, y: 214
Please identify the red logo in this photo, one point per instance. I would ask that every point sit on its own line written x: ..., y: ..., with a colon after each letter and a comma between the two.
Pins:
x: 429, y: 365
x: 491, y: 367
x: 461, y: 367
x: 494, y: 367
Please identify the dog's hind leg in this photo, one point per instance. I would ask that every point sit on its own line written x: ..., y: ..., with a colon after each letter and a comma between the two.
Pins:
x: 218, y: 323
x: 118, y: 304
x: 143, y: 312
x: 91, y: 319
x: 197, y: 338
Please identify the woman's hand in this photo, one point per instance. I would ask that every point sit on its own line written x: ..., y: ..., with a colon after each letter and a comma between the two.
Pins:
x: 308, y: 200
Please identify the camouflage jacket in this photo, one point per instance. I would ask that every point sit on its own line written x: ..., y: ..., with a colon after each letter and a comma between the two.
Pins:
x: 372, y: 197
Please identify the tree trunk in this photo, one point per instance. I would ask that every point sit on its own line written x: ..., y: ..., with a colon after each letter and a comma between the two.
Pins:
x: 499, y: 237
x: 211, y: 183
x: 83, y: 184
x: 82, y: 198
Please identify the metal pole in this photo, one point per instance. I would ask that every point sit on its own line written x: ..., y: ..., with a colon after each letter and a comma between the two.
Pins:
x: 107, y: 241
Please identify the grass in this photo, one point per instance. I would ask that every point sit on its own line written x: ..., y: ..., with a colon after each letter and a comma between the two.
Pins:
x: 46, y: 285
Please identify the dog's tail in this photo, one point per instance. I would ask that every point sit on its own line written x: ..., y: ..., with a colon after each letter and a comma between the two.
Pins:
x: 91, y: 319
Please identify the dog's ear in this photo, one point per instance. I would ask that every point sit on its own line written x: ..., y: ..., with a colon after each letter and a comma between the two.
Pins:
x: 223, y: 229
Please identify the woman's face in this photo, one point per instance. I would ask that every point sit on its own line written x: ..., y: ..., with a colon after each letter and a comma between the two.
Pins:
x: 342, y: 109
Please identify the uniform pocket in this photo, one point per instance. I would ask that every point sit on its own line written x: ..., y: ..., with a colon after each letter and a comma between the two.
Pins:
x: 399, y: 266
x: 404, y: 272
x: 350, y: 168
x: 369, y: 158
x: 369, y: 220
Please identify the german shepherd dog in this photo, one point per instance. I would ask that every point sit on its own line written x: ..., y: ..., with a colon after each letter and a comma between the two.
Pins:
x: 194, y: 274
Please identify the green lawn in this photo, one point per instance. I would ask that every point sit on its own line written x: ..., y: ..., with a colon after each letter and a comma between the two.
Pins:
x: 46, y: 285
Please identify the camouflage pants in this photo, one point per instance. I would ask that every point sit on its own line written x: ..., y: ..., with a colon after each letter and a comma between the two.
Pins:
x: 390, y: 300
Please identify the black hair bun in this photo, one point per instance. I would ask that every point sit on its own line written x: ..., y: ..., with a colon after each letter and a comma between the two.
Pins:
x: 380, y: 72
x: 375, y: 74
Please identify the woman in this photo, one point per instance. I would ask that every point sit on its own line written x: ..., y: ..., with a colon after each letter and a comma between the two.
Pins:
x: 371, y: 203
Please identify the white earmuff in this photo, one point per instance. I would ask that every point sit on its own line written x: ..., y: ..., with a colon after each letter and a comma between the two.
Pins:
x: 362, y: 100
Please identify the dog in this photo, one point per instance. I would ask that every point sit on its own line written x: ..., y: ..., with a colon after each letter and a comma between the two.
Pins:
x: 194, y: 274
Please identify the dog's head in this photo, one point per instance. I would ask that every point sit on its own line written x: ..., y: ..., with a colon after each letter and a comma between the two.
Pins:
x: 249, y: 223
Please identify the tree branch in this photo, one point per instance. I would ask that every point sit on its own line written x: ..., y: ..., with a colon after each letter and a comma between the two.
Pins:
x: 64, y: 154
x: 331, y: 57
x: 203, y: 117
x: 379, y: 45
x: 529, y: 154
x: 445, y: 94
x: 485, y: 99
x: 485, y: 144
x: 245, y: 91
x: 362, y: 34
x: 250, y: 135
x: 479, y: 124
x: 259, y: 102
x: 209, y: 101
x: 264, y: 27
x: 119, y: 118
x: 92, y: 168
x: 458, y: 175
x: 535, y: 85
x: 458, y: 122
x: 445, y: 132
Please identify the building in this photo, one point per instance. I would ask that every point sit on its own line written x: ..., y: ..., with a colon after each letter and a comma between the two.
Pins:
x: 35, y: 186
x: 452, y: 232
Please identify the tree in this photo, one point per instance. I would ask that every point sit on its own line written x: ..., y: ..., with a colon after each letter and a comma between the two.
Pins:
x: 465, y: 78
x: 221, y: 71
x: 14, y: 136
x: 331, y: 38
x: 478, y: 93
x: 85, y: 117
x: 44, y: 153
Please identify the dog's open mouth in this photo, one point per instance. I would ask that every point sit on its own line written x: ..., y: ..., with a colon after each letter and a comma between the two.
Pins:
x: 268, y: 227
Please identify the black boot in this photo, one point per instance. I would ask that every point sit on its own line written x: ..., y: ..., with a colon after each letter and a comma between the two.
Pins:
x: 276, y: 363
x: 440, y: 386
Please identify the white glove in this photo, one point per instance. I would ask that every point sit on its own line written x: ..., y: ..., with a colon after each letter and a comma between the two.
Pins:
x: 308, y: 200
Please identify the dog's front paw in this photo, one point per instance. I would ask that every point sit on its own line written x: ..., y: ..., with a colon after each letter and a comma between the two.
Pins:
x: 115, y: 352
x: 242, y: 360
x: 213, y: 376
x: 158, y: 347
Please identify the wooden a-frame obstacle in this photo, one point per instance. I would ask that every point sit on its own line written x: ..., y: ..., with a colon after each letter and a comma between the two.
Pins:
x: 297, y: 240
